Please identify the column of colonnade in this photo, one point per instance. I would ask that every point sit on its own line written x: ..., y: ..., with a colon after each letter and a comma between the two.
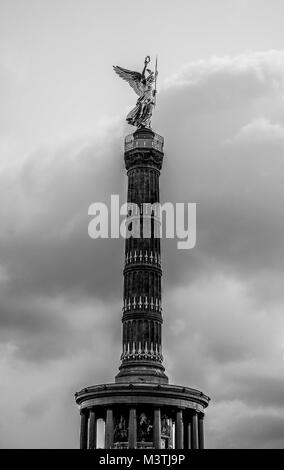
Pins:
x: 192, y: 429
x: 189, y: 429
x: 92, y: 441
x: 84, y: 429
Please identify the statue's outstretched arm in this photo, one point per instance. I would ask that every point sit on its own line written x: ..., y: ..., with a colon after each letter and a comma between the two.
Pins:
x: 146, y: 62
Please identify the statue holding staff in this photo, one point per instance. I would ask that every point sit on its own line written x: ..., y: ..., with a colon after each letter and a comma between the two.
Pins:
x: 145, y: 87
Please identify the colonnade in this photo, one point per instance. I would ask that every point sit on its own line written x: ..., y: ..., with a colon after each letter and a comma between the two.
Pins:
x: 188, y: 428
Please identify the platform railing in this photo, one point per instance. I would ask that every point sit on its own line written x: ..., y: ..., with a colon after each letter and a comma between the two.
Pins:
x: 156, y: 142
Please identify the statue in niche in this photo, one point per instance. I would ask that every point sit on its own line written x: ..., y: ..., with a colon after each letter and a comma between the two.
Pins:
x: 145, y: 428
x: 165, y: 426
x: 120, y: 430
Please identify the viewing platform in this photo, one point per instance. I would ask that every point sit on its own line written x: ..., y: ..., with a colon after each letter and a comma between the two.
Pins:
x: 144, y: 139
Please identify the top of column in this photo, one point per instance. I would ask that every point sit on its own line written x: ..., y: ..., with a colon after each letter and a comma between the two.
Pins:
x: 144, y: 147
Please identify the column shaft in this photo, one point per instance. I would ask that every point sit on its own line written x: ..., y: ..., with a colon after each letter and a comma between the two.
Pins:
x: 132, y: 429
x: 109, y: 429
x: 179, y: 430
x: 186, y: 434
x: 84, y: 429
x: 189, y: 434
x: 157, y: 428
x: 201, y: 431
x: 171, y: 441
x: 194, y: 431
x: 92, y: 430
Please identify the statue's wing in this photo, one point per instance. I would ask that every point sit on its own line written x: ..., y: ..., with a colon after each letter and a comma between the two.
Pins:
x: 133, y: 78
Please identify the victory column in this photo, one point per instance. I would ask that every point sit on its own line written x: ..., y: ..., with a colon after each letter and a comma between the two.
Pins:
x: 141, y: 410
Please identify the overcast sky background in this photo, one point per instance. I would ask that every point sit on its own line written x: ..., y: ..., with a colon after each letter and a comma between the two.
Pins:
x: 221, y: 111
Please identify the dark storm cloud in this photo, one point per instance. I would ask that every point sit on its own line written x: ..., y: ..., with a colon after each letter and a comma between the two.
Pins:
x: 46, y: 328
x: 44, y: 240
x: 228, y: 157
x: 45, y: 251
x: 259, y: 431
x: 258, y: 389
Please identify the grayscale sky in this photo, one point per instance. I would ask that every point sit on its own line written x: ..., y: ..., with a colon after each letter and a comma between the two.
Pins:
x: 221, y: 111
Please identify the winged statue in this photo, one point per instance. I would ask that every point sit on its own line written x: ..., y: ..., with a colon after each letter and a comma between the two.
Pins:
x: 145, y: 87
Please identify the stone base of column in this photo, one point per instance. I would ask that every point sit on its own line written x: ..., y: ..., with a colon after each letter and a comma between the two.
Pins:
x: 148, y: 373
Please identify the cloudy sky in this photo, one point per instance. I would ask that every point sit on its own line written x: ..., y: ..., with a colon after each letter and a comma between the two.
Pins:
x: 221, y: 111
